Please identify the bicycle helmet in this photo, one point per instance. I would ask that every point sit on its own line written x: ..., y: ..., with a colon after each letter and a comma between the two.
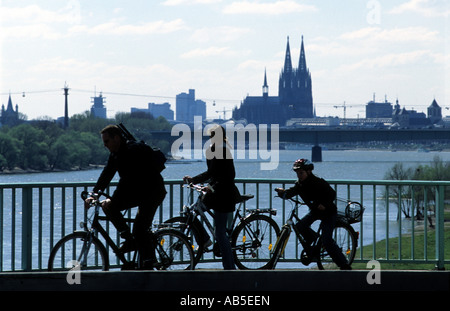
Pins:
x: 303, y: 164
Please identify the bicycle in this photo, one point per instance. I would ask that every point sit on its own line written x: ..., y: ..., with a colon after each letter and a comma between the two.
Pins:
x: 83, y: 250
x: 344, y: 235
x: 251, y: 236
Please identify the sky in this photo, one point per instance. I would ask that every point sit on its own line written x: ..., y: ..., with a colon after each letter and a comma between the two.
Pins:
x: 139, y: 51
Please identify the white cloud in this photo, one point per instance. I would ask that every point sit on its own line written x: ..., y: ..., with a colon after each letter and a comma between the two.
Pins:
x: 183, y: 2
x: 211, y: 51
x: 33, y: 14
x: 377, y: 34
x: 114, y: 28
x: 275, y: 8
x: 427, y: 8
x: 391, y: 60
x: 220, y: 34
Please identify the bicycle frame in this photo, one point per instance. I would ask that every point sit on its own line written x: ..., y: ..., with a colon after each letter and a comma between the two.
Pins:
x: 289, y: 225
x: 96, y: 227
x: 199, y: 208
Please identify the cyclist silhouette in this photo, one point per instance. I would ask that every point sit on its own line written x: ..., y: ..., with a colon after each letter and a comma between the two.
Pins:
x: 319, y: 197
x: 222, y: 193
x: 140, y: 184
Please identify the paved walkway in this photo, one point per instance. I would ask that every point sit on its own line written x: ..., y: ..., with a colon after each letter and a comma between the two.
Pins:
x: 230, y: 281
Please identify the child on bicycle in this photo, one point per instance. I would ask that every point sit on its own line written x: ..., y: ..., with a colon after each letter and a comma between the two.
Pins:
x: 319, y: 197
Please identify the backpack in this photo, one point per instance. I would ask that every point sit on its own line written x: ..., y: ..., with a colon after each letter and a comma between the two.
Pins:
x: 157, y: 155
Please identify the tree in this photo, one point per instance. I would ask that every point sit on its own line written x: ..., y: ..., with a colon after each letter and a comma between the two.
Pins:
x: 9, y: 151
x: 400, y: 194
x: 421, y: 196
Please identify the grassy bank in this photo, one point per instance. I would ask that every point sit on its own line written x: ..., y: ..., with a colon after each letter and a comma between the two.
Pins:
x: 406, y: 253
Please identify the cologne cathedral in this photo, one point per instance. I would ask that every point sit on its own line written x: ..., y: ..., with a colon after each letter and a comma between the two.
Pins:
x: 294, y: 98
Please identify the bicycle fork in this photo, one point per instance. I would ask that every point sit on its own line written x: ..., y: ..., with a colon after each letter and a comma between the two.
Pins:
x: 283, y: 238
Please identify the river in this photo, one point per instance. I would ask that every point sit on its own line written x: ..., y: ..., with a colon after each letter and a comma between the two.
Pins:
x: 343, y: 164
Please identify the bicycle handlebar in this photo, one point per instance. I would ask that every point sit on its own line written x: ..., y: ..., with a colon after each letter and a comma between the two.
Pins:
x: 199, y: 188
x: 95, y: 196
x: 291, y: 199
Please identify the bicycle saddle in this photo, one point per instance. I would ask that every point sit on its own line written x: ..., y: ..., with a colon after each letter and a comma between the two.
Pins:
x: 245, y: 197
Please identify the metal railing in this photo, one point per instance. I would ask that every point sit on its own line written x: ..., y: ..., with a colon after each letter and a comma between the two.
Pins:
x: 34, y: 216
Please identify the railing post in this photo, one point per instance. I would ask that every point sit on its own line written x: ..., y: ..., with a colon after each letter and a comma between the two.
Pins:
x: 440, y: 227
x: 27, y: 227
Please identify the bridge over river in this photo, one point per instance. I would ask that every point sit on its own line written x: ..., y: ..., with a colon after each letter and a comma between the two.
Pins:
x: 315, y: 137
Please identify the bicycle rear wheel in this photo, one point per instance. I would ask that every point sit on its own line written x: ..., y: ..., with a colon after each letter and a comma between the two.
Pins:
x: 345, y: 238
x: 78, y: 251
x: 173, y: 250
x: 252, y: 241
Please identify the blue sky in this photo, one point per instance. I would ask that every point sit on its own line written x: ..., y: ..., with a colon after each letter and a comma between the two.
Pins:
x: 158, y: 49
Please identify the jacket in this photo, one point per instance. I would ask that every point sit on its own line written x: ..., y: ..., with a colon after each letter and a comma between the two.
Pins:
x: 139, y: 180
x: 315, y: 191
x: 220, y: 175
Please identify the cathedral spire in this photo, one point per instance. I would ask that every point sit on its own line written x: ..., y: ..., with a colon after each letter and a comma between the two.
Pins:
x: 302, y: 60
x: 287, y: 59
x: 265, y: 87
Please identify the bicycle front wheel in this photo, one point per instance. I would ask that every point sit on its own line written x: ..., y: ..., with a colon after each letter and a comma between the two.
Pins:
x: 173, y: 250
x: 252, y: 241
x: 78, y: 251
x: 345, y: 238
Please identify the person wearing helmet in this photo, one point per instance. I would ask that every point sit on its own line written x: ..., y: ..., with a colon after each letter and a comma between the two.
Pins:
x: 319, y: 196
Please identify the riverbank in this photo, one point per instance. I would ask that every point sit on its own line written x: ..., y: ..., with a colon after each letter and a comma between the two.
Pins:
x: 411, y: 248
x: 18, y: 170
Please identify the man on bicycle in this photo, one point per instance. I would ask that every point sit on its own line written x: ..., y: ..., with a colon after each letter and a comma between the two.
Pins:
x: 319, y: 197
x: 140, y: 184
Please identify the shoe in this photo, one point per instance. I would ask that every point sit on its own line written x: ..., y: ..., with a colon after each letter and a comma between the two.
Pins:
x: 207, y: 243
x: 346, y: 267
x: 128, y: 246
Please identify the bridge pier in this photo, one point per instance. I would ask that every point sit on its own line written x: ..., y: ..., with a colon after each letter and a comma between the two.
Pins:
x: 316, y: 153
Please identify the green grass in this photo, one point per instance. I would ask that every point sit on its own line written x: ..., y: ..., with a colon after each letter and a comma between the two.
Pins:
x: 406, y: 251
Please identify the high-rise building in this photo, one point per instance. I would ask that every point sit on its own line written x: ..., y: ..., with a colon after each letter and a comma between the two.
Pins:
x: 157, y: 110
x: 187, y: 107
x: 98, y: 109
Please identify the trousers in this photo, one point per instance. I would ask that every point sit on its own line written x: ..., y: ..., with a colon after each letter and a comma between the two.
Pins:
x: 142, y: 223
x: 328, y: 224
x: 222, y: 238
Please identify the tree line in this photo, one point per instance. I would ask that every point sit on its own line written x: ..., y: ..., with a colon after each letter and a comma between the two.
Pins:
x: 45, y: 146
x: 414, y: 199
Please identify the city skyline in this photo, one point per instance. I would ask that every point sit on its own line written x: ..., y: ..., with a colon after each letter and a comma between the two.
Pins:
x: 150, y: 52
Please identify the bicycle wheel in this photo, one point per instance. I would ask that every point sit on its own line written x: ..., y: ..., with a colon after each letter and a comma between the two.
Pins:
x: 345, y: 238
x: 75, y: 251
x: 192, y: 232
x: 252, y: 241
x: 173, y: 250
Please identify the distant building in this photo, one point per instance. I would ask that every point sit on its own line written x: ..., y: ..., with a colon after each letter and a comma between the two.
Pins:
x: 294, y: 98
x: 10, y: 117
x: 434, y: 112
x: 409, y: 118
x: 98, y: 109
x: 187, y: 107
x: 157, y: 110
x: 378, y: 109
x: 263, y: 109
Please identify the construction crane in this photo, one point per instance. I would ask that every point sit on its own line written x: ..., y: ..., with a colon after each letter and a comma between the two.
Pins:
x: 345, y: 109
x: 224, y: 111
